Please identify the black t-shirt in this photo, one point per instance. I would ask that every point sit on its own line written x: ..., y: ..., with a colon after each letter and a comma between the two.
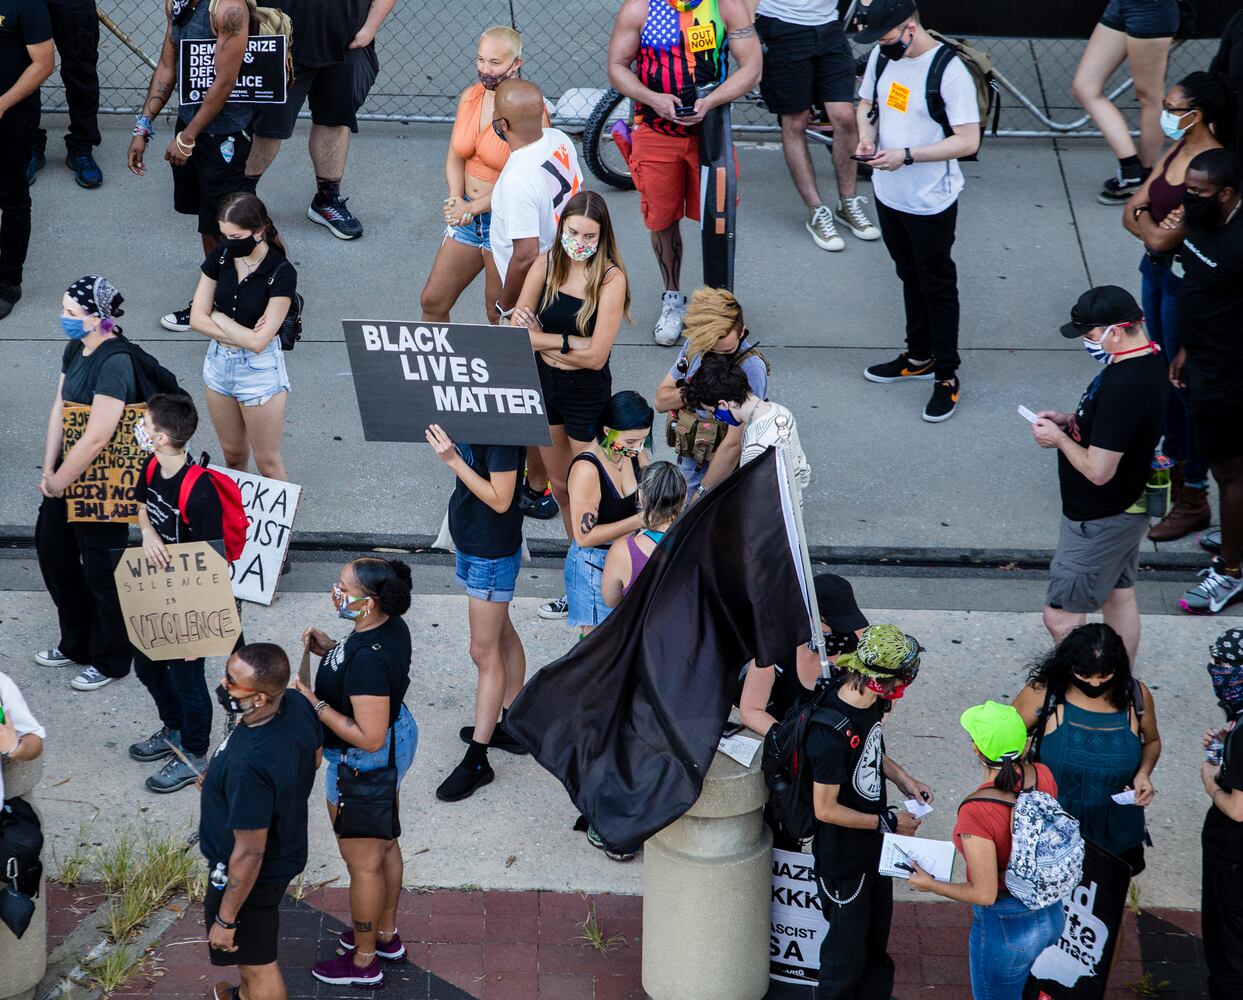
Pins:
x: 259, y: 778
x: 852, y: 760
x: 22, y: 23
x: 1122, y: 410
x: 375, y: 662
x: 788, y: 689
x: 1229, y: 57
x: 204, y: 516
x: 1212, y: 306
x: 245, y: 301
x: 114, y: 376
x: 1222, y: 837
x: 476, y: 528
x: 323, y: 29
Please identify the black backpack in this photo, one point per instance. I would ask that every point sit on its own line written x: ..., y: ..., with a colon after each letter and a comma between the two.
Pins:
x: 151, y: 377
x: 21, y: 871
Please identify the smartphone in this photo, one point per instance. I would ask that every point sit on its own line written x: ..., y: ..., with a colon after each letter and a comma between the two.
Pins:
x: 863, y: 159
x: 732, y: 729
x: 684, y: 112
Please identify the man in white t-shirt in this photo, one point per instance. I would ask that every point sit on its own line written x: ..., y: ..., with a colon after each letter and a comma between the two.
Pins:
x: 916, y: 180
x: 539, y: 177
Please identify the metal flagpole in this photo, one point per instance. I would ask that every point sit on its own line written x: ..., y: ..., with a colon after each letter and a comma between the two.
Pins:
x: 123, y: 38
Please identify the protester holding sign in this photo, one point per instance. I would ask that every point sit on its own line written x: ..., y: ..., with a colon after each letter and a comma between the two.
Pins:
x: 358, y: 696
x: 245, y: 291
x: 485, y: 522
x: 77, y: 558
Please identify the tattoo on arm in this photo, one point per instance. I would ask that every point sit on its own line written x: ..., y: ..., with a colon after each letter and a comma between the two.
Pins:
x: 588, y: 522
x: 231, y: 24
x: 744, y: 32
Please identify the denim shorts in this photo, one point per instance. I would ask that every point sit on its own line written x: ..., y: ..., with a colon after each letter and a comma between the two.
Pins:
x: 252, y: 379
x: 488, y: 579
x: 477, y: 233
x: 584, y: 572
x: 407, y: 731
x: 1142, y: 18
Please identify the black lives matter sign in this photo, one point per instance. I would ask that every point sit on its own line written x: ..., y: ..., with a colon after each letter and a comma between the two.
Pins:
x: 478, y: 382
x: 261, y: 80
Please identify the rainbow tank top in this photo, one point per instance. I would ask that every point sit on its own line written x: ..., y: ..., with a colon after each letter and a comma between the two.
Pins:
x: 679, y: 50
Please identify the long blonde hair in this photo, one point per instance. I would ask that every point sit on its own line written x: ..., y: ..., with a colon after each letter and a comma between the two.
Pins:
x: 587, y: 205
x: 713, y: 313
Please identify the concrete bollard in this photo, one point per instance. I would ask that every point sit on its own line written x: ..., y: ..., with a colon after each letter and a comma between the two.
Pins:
x: 22, y: 963
x: 707, y: 893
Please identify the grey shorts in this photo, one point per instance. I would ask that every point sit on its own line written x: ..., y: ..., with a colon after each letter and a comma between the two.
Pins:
x: 1093, y: 559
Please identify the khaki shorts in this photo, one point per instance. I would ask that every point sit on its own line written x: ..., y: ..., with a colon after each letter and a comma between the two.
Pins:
x: 1093, y: 559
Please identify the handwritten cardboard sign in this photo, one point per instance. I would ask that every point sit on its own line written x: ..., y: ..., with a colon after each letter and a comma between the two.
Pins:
x: 182, y: 611
x: 270, y: 505
x: 108, y: 489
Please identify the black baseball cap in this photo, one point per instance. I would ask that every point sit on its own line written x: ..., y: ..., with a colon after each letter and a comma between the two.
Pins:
x: 838, y: 608
x: 1103, y: 305
x: 880, y: 17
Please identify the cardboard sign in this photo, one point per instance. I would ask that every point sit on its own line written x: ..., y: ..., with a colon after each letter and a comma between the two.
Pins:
x: 478, y: 382
x: 108, y: 489
x: 798, y: 925
x: 270, y: 505
x: 183, y: 611
x: 1077, y: 966
x: 261, y: 80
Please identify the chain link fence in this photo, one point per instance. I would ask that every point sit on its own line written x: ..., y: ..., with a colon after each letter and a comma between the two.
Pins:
x: 426, y: 53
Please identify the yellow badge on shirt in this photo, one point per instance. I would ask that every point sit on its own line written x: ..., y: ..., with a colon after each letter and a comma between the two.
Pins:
x: 899, y: 97
x: 701, y: 36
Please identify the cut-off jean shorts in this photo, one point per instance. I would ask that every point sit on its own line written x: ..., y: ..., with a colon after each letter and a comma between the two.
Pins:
x: 252, y: 379
x: 407, y: 731
x: 488, y: 579
x: 477, y: 233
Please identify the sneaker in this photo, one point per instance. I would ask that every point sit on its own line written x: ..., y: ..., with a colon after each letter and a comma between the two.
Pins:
x: 10, y: 295
x: 502, y: 739
x: 341, y: 971
x: 541, y: 506
x: 52, y: 658
x: 85, y: 170
x: 669, y: 327
x: 1215, y: 590
x: 90, y: 679
x: 177, y: 774
x: 594, y: 840
x: 156, y: 746
x: 851, y: 214
x: 823, y: 232
x: 944, y: 401
x: 226, y: 991
x: 177, y: 321
x: 1210, y: 541
x: 1118, y: 189
x: 340, y: 221
x: 391, y: 950
x: 464, y: 781
x: 555, y: 609
x: 900, y: 369
x: 37, y: 161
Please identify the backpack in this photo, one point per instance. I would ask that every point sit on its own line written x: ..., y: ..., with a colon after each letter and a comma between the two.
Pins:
x: 979, y: 67
x: 21, y: 842
x: 151, y: 377
x: 291, y: 327
x: 233, y: 520
x: 1046, y: 853
x: 695, y: 437
x: 265, y: 21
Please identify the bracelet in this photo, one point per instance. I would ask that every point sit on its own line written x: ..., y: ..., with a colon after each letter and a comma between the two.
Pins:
x: 142, y: 127
x: 503, y: 313
x: 320, y: 706
x: 700, y: 490
x: 219, y: 921
x: 467, y: 216
x: 14, y: 748
x: 187, y: 149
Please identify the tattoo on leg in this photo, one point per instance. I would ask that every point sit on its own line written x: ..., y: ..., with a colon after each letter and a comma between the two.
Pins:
x: 363, y: 926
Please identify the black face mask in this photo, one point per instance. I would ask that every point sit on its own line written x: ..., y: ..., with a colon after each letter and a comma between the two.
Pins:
x: 229, y: 703
x: 1091, y: 690
x: 896, y: 49
x: 1199, y: 210
x: 181, y: 11
x: 243, y: 247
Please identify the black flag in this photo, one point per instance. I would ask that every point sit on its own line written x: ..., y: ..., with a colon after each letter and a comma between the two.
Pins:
x: 629, y: 719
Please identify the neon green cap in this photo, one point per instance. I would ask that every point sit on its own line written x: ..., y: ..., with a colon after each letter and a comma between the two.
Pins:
x: 997, y: 730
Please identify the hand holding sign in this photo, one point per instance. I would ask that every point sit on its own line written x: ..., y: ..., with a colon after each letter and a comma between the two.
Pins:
x: 441, y: 444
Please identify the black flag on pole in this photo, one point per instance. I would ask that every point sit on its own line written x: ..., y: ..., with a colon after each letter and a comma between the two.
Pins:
x: 629, y: 719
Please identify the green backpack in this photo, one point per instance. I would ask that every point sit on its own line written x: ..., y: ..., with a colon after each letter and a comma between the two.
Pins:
x: 265, y: 21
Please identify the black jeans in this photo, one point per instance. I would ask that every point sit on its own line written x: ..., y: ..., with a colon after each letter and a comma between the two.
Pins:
x: 77, y: 562
x: 920, y: 246
x: 179, y: 689
x: 1221, y: 914
x: 75, y: 29
x: 854, y: 960
x: 15, y: 130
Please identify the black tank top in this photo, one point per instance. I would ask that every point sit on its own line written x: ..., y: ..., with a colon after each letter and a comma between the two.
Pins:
x: 560, y: 316
x: 788, y: 687
x: 613, y: 507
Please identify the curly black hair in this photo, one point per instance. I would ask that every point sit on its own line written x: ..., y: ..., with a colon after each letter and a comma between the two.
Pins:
x: 1092, y: 650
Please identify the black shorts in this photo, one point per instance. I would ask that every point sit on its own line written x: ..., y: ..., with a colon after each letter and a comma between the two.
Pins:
x: 1217, y: 407
x: 207, y: 176
x: 335, y: 94
x: 805, y: 66
x: 574, y: 399
x: 258, y: 925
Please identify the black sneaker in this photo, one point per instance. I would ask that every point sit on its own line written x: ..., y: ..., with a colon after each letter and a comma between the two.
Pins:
x: 37, y: 161
x: 178, y: 321
x: 9, y: 296
x: 465, y: 780
x: 1118, y: 190
x: 1210, y: 541
x: 85, y: 170
x: 900, y: 369
x: 541, y: 506
x: 333, y: 214
x: 502, y: 739
x: 944, y: 401
x: 155, y: 747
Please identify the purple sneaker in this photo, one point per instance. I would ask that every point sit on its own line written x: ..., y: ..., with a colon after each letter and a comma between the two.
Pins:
x: 341, y: 971
x: 391, y: 950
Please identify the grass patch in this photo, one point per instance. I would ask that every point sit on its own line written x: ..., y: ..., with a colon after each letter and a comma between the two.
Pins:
x: 1133, y: 894
x: 592, y: 932
x: 116, y: 968
x: 72, y: 869
x: 1146, y: 986
x: 139, y: 872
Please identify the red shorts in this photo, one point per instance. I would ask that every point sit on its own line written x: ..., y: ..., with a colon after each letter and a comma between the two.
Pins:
x: 665, y: 169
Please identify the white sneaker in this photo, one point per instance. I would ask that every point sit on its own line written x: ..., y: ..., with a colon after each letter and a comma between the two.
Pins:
x: 555, y: 609
x: 90, y: 679
x: 669, y: 327
x: 52, y: 658
x: 851, y: 214
x: 820, y: 225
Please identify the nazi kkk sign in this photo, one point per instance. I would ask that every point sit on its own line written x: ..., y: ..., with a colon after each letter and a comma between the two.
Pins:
x: 261, y: 80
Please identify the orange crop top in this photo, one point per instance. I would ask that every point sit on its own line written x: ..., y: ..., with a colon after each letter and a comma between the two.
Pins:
x: 484, y: 153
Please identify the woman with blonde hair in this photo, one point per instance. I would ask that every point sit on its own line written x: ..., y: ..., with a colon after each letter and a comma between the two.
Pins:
x: 474, y: 162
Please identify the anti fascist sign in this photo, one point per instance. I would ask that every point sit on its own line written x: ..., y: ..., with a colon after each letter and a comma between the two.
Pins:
x: 270, y: 505
x: 183, y: 610
x: 478, y: 382
x: 108, y: 489
x: 798, y: 925
x: 1076, y: 967
x: 261, y: 80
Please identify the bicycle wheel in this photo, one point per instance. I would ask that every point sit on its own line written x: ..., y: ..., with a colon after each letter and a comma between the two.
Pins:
x: 600, y: 150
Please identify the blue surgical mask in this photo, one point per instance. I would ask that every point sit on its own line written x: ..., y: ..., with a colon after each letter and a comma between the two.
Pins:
x: 1170, y: 122
x: 1093, y: 348
x: 74, y: 327
x: 722, y: 414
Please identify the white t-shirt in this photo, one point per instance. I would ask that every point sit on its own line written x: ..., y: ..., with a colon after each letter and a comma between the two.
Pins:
x: 808, y: 12
x: 17, y: 712
x: 921, y: 188
x: 534, y: 186
x: 762, y: 431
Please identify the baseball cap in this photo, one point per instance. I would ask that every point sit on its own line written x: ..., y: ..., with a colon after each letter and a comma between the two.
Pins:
x: 997, y: 730
x: 1103, y: 305
x: 838, y: 608
x: 880, y: 17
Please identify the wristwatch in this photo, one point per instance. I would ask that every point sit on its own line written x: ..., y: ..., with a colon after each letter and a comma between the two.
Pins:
x: 503, y: 313
x: 219, y: 921
x: 700, y: 490
x: 320, y: 706
x: 565, y: 343
x: 908, y: 159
